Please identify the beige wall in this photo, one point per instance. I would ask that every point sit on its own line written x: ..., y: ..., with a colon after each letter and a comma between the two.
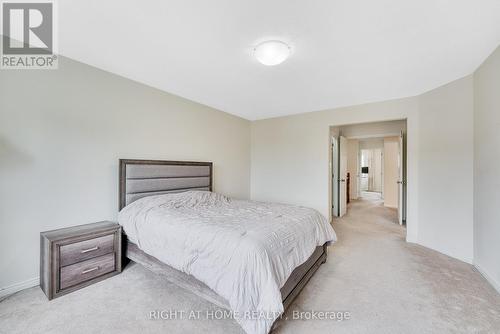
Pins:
x: 486, y: 169
x: 61, y: 135
x: 391, y: 171
x: 290, y: 161
x: 446, y: 169
x: 371, y: 143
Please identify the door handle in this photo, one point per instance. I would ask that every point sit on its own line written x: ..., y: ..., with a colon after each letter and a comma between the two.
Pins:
x: 400, y: 182
x: 342, y: 180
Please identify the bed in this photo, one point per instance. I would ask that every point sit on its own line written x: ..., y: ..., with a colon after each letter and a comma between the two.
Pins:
x: 243, y: 256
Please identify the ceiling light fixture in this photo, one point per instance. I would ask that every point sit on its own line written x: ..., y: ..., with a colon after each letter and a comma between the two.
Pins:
x: 272, y: 53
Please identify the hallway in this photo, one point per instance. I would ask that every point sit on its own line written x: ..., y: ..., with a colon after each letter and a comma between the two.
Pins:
x: 374, y: 202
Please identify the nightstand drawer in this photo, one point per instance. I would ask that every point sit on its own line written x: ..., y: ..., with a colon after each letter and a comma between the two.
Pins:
x: 84, y: 250
x: 86, y: 270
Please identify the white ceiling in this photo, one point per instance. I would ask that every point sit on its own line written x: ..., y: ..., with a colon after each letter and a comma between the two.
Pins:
x: 344, y: 52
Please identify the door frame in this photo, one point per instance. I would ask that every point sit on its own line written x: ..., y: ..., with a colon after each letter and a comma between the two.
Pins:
x: 405, y: 163
x: 335, y: 167
x: 342, y: 175
x: 402, y: 182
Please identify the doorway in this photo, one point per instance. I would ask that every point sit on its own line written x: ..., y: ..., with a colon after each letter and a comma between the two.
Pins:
x: 369, y: 164
x: 371, y: 171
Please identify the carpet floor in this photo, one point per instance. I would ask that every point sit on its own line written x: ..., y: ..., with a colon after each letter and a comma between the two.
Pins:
x: 382, y: 283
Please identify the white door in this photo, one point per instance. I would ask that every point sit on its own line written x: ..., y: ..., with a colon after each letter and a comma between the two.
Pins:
x: 401, y: 182
x: 335, y: 178
x: 342, y: 176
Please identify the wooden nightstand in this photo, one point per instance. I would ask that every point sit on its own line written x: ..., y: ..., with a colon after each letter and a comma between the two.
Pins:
x: 74, y: 257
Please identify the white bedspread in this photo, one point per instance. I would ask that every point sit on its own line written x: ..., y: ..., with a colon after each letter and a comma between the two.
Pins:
x: 243, y: 250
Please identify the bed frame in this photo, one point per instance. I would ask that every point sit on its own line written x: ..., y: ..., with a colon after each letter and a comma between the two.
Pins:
x: 141, y: 178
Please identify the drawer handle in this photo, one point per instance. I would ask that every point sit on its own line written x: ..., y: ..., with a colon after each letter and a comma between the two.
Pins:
x: 90, y: 270
x: 90, y: 250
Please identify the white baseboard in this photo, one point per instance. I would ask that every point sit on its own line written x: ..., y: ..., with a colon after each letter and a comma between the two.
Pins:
x: 7, y: 291
x: 490, y: 279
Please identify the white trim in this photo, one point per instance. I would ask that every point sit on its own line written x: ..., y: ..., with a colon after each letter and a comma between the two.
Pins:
x: 7, y: 291
x: 377, y: 136
x: 490, y: 279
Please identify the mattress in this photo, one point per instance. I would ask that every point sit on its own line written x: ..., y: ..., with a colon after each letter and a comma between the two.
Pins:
x: 243, y: 250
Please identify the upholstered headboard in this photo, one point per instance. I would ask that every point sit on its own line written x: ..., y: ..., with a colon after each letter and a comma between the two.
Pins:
x: 141, y: 178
